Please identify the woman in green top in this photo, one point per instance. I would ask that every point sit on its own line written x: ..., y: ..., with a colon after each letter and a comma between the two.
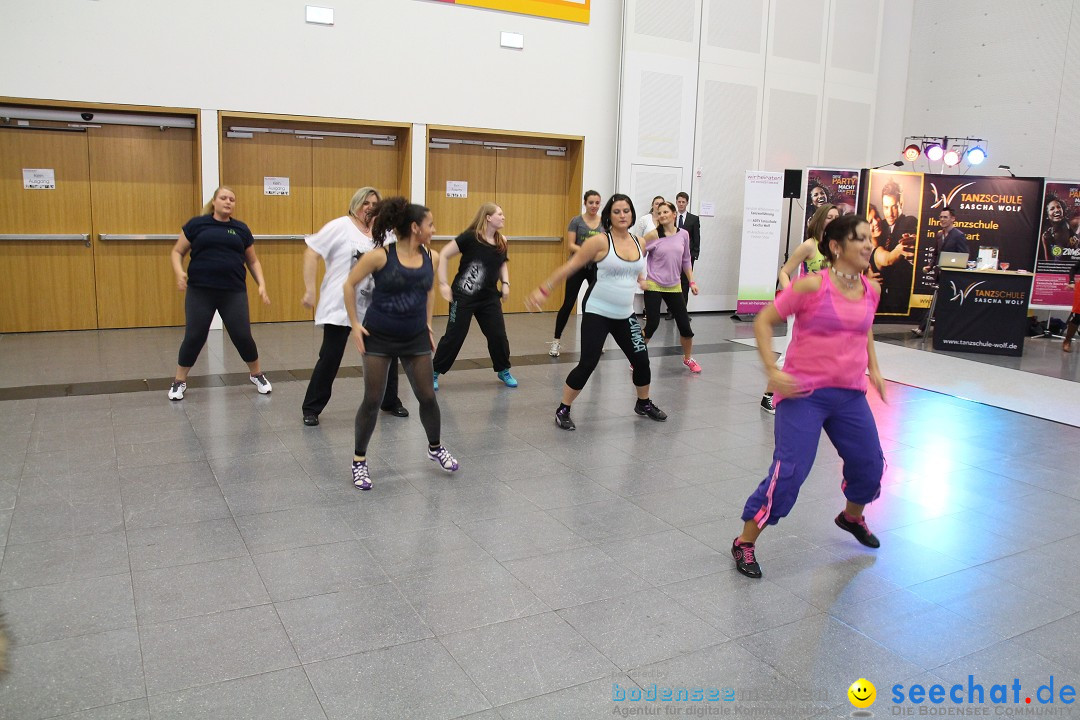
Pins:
x: 581, y: 228
x: 809, y: 259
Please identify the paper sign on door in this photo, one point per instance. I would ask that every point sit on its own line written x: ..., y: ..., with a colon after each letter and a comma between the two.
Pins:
x: 39, y: 179
x: 275, y: 186
x: 457, y: 188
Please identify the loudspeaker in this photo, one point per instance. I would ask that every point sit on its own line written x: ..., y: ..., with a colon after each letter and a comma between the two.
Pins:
x: 792, y: 183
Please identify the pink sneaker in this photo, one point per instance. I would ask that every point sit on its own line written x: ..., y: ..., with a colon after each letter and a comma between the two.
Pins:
x: 692, y: 364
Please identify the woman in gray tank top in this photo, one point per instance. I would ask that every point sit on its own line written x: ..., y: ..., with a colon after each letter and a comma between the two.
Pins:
x: 581, y: 228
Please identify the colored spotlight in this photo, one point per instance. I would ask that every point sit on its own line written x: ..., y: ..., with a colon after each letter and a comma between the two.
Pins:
x: 976, y: 155
x: 934, y: 152
x: 912, y: 152
x: 951, y: 158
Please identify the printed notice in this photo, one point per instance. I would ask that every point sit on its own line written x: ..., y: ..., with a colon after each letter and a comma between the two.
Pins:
x: 708, y: 209
x: 39, y: 179
x: 275, y: 186
x: 457, y: 188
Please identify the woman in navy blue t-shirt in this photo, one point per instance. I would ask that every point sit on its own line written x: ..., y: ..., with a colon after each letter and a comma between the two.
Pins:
x: 222, y: 250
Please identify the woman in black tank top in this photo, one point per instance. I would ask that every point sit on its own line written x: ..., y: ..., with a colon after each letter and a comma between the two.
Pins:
x: 398, y: 323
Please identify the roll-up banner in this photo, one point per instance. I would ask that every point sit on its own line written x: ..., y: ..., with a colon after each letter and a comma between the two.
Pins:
x: 831, y: 186
x: 1059, y: 244
x: 903, y: 208
x: 762, y: 203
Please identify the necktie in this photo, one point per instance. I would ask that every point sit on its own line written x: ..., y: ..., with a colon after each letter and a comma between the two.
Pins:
x: 680, y: 221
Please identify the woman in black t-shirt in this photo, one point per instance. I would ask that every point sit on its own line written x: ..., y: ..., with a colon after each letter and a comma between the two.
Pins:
x: 475, y: 292
x: 222, y: 250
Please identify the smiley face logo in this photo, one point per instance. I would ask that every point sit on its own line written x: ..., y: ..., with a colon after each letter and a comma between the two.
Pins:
x: 862, y: 693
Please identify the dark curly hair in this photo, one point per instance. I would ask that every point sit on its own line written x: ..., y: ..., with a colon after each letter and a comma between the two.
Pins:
x: 397, y: 215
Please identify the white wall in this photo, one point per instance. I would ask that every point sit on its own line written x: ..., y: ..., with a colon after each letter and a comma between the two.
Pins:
x: 772, y: 84
x: 407, y: 60
x: 1003, y: 70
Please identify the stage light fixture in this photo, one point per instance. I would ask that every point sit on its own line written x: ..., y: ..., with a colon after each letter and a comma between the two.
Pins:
x: 976, y: 155
x: 912, y: 152
x: 934, y: 152
x: 951, y: 158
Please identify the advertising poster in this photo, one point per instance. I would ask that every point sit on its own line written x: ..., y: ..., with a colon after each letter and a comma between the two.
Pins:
x: 894, y: 206
x: 982, y: 312
x: 1058, y: 247
x: 762, y: 204
x: 831, y: 186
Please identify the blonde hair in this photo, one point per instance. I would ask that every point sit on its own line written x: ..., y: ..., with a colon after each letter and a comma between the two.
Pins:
x: 479, y: 225
x: 360, y: 196
x: 208, y: 208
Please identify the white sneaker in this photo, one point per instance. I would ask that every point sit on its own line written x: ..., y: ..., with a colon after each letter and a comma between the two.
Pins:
x: 261, y: 382
x: 176, y: 390
x: 553, y: 351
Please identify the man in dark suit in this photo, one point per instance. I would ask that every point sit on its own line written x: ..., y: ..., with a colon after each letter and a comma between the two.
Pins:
x: 900, y: 228
x: 690, y: 222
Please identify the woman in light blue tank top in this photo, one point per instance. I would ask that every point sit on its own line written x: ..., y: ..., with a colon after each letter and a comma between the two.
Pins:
x: 608, y: 308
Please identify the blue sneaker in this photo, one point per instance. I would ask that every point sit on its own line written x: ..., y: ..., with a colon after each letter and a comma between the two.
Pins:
x: 507, y: 378
x: 436, y: 379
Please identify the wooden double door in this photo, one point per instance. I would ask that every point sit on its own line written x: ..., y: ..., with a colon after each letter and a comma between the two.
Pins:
x: 92, y: 251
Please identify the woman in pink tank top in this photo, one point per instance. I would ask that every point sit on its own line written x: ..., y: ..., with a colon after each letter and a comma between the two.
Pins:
x: 822, y: 386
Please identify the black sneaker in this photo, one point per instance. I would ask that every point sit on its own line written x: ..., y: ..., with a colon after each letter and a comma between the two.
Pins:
x: 745, y: 561
x: 562, y: 419
x: 859, y: 530
x: 648, y: 409
x: 399, y: 411
x: 767, y: 404
x: 311, y: 420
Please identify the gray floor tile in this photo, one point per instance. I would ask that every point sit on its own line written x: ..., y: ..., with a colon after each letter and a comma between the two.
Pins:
x: 156, y: 506
x: 130, y: 710
x: 1007, y: 660
x: 212, y: 648
x: 64, y: 676
x: 461, y: 598
x: 298, y: 527
x: 170, y: 545
x: 57, y: 561
x: 574, y: 577
x: 588, y: 700
x: 815, y: 651
x: 158, y: 452
x: 375, y: 514
x: 318, y: 569
x: 825, y: 580
x: 641, y: 628
x: 280, y: 695
x: 262, y: 467
x: 609, y: 519
x: 178, y: 592
x: 267, y: 496
x: 418, y: 679
x: 424, y: 551
x: 69, y: 609
x: 37, y: 523
x: 666, y: 557
x: 351, y: 621
x: 176, y: 476
x: 524, y: 658
x: 522, y: 536
x: 1057, y: 641
x: 681, y: 507
x: 562, y: 490
x: 920, y: 631
x: 91, y: 486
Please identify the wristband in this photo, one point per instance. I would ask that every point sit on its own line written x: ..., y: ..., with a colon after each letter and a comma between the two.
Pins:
x: 543, y: 291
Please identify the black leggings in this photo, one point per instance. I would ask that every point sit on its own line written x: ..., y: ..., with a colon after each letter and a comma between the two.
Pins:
x: 573, y: 287
x: 675, y: 306
x: 627, y: 334
x: 335, y: 340
x: 199, y: 307
x: 418, y: 370
x: 490, y: 319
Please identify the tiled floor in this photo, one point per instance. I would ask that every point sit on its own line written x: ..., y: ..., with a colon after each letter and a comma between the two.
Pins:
x: 210, y: 558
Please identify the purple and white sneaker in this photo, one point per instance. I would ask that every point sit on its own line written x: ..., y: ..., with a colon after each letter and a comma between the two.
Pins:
x: 442, y: 456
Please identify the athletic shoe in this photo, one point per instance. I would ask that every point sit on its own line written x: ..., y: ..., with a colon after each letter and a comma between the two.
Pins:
x: 261, y: 382
x: 745, y: 561
x: 311, y: 420
x: 857, y: 528
x: 648, y: 409
x: 442, y: 456
x: 692, y: 364
x: 176, y: 390
x: 917, y: 332
x: 562, y: 419
x: 360, y: 476
x: 553, y: 351
x: 767, y: 404
x: 507, y: 378
x: 435, y: 378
